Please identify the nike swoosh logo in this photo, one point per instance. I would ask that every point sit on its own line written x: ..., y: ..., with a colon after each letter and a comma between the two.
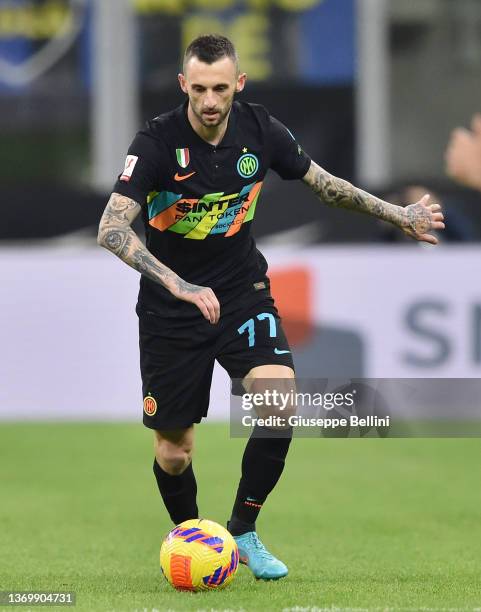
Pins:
x: 178, y: 177
x: 278, y: 352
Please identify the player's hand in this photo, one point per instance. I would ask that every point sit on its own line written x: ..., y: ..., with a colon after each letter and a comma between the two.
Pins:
x: 202, y: 297
x: 421, y: 218
x: 463, y: 155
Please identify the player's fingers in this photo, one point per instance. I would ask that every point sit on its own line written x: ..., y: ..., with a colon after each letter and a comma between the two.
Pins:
x: 438, y: 216
x: 215, y: 303
x: 428, y: 238
x: 215, y: 310
x: 202, y: 307
x: 209, y: 302
x: 204, y: 310
x: 435, y: 206
x: 424, y: 200
x: 438, y: 225
x: 210, y: 308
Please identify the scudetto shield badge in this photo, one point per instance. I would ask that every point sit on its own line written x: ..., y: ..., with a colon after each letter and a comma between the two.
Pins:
x: 183, y: 157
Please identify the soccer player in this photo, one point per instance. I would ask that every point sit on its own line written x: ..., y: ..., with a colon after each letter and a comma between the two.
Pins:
x: 195, y: 174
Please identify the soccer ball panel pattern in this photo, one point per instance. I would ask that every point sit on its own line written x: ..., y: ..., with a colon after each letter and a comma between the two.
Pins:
x: 199, y: 555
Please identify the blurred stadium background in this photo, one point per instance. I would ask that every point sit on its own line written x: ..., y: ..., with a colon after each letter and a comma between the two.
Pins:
x: 372, y: 90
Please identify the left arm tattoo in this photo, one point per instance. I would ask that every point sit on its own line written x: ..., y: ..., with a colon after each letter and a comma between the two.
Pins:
x: 339, y: 193
x: 416, y: 220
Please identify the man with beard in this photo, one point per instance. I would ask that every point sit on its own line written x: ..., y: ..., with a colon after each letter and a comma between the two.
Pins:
x: 195, y: 173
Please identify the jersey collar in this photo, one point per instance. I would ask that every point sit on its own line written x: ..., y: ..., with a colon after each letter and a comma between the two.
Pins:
x: 229, y: 139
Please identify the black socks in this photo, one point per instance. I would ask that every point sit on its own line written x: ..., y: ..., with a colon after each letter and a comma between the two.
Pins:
x: 262, y: 466
x: 178, y: 492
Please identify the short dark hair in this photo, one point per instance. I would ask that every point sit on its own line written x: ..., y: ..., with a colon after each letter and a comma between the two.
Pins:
x: 210, y: 48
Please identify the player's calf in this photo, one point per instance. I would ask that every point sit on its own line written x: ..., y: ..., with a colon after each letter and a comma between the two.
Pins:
x: 174, y: 473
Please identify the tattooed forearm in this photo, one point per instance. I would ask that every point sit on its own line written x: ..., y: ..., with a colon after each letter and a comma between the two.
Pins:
x: 415, y: 220
x: 116, y: 235
x: 114, y: 240
x: 339, y: 193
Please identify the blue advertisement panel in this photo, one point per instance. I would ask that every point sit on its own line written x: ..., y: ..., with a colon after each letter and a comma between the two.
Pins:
x: 327, y: 43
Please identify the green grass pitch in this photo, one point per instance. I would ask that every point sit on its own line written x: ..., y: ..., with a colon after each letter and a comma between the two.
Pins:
x: 371, y: 524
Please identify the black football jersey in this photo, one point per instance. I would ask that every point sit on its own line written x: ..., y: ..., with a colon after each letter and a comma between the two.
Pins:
x: 199, y: 200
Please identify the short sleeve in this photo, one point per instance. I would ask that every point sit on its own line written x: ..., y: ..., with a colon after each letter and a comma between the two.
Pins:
x: 287, y: 157
x: 142, y: 172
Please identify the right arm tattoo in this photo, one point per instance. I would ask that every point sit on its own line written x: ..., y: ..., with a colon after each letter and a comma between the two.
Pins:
x: 116, y: 235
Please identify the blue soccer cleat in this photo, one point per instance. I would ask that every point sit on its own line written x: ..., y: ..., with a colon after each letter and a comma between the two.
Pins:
x: 253, y: 553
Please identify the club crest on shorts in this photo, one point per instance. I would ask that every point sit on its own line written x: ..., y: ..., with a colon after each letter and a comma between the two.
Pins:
x: 247, y: 165
x: 150, y: 405
x: 183, y: 157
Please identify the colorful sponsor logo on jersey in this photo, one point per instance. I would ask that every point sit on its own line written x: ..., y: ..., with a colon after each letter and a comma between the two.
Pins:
x: 247, y: 165
x: 183, y: 157
x: 213, y: 214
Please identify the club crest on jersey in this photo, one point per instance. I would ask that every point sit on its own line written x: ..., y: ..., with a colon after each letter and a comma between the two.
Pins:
x: 183, y: 157
x: 247, y: 165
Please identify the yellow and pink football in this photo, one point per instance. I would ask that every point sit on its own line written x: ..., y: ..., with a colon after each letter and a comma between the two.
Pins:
x: 199, y: 555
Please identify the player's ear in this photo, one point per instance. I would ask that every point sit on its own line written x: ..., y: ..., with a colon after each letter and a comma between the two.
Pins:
x: 241, y: 81
x: 182, y: 83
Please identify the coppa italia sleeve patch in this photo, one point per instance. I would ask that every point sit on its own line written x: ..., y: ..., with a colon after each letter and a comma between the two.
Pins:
x: 129, y: 168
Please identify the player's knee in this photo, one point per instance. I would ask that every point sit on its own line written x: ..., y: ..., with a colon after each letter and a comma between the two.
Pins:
x: 279, y: 399
x: 173, y: 459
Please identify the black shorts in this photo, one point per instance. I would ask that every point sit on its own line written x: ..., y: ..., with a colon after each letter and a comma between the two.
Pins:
x: 177, y: 355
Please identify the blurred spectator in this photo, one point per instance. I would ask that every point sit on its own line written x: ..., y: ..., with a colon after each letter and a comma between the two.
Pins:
x: 463, y: 155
